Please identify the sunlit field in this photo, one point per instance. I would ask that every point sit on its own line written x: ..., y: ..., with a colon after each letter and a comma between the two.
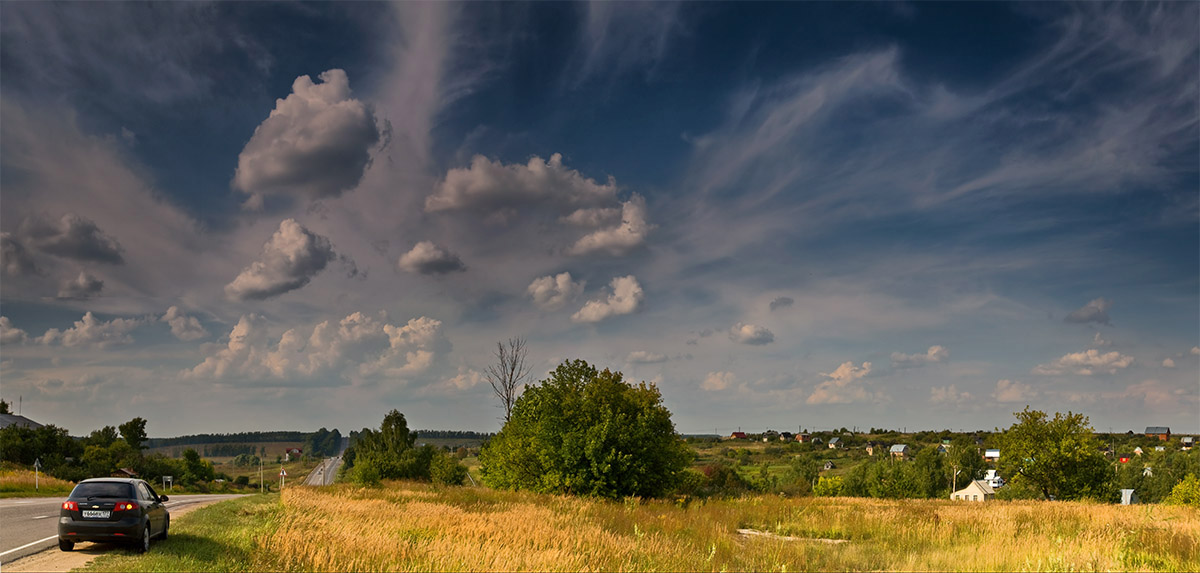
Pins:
x: 415, y: 527
x: 23, y: 483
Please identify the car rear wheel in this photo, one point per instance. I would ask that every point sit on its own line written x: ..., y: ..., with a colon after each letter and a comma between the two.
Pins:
x: 64, y: 545
x: 144, y: 545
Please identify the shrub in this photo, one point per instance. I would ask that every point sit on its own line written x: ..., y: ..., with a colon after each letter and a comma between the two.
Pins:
x: 445, y: 470
x: 828, y: 487
x: 1186, y: 492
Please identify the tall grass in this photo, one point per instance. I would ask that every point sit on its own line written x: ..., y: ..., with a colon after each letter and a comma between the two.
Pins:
x: 21, y: 483
x: 415, y: 527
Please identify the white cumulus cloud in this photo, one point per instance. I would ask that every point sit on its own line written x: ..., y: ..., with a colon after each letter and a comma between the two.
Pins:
x: 10, y: 334
x: 843, y: 386
x: 489, y: 186
x: 427, y: 258
x: 751, y: 334
x: 554, y: 292
x: 1013, y: 391
x: 626, y: 296
x: 289, y: 260
x: 91, y: 331
x: 184, y: 327
x: 358, y: 347
x: 1168, y: 363
x: 620, y: 239
x: 935, y: 355
x: 717, y: 381
x: 1085, y: 363
x: 316, y: 142
x: 948, y: 395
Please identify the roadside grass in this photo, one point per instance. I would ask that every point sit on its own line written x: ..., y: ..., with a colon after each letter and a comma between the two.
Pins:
x: 416, y: 527
x: 406, y: 526
x: 20, y: 483
x: 224, y: 536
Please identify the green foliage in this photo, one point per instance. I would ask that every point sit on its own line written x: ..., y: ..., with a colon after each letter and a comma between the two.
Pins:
x: 886, y: 479
x: 445, y: 470
x: 134, y: 432
x: 828, y: 487
x: 104, y: 437
x: 389, y: 453
x: 196, y: 469
x: 323, y: 443
x: 1186, y: 492
x: 1059, y: 458
x: 245, y: 460
x: 720, y: 480
x: 582, y: 431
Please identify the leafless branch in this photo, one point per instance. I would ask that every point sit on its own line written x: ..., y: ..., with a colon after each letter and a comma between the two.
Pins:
x: 508, y: 373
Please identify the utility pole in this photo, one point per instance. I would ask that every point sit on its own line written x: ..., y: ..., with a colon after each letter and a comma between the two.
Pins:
x: 260, y: 475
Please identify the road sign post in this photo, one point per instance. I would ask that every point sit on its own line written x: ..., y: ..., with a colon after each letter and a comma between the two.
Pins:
x: 169, y: 481
x: 282, y: 478
x: 37, y: 465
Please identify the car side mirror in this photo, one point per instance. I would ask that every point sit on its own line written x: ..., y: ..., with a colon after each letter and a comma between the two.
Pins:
x: 162, y: 498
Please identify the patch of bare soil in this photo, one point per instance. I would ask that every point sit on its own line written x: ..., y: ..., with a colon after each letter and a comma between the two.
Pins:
x: 755, y: 532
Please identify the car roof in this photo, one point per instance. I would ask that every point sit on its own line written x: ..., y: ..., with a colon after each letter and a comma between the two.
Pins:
x: 116, y: 480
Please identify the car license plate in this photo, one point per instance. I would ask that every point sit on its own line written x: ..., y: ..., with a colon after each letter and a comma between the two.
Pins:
x: 96, y: 514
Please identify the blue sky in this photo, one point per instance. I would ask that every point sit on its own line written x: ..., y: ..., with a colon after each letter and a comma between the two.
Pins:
x: 243, y: 216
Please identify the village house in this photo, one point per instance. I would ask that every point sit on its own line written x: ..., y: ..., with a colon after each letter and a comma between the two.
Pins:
x: 1137, y: 451
x: 977, y: 490
x: 1187, y: 442
x: 835, y: 443
x: 829, y: 465
x: 803, y: 438
x: 1128, y: 497
x: 786, y: 436
x: 1160, y: 432
x: 770, y: 435
x: 1124, y: 458
x: 871, y: 448
x: 817, y: 441
x: 899, y: 451
x: 737, y: 436
x: 991, y: 455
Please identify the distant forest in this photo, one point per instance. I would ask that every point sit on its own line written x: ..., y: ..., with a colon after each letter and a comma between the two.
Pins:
x: 453, y: 435
x: 239, y: 438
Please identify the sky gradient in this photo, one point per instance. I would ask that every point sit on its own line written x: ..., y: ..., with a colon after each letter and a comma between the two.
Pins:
x: 242, y: 216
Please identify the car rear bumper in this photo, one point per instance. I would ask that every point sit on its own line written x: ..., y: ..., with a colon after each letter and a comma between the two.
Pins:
x: 128, y: 529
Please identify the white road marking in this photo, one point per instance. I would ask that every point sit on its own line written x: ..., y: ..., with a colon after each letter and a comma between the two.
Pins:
x: 55, y: 536
x: 42, y: 517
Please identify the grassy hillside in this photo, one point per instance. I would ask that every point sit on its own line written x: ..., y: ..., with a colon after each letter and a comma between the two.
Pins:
x: 415, y: 527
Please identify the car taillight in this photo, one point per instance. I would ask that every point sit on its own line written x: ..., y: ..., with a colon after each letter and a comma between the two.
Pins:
x: 70, y: 506
x: 125, y: 506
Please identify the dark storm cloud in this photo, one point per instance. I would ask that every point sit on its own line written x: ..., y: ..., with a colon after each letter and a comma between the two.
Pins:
x: 72, y: 237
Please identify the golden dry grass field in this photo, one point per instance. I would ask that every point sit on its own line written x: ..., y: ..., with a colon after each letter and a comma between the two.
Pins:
x: 21, y: 483
x: 415, y: 527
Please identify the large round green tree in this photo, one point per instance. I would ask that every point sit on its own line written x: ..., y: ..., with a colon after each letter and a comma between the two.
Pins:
x: 583, y: 431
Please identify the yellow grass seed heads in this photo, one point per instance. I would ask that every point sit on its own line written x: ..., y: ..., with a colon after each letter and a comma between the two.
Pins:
x: 415, y: 527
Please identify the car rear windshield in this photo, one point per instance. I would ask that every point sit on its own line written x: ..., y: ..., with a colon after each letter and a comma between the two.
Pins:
x: 103, y: 489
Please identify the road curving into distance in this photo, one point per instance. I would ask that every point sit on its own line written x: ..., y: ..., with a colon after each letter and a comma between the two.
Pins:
x: 29, y: 525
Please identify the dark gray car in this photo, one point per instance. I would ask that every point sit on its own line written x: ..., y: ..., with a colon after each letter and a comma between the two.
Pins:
x: 113, y: 510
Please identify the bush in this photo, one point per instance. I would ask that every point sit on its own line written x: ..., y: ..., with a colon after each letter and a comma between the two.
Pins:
x: 1186, y: 492
x: 242, y: 480
x: 587, y: 432
x: 828, y: 487
x: 445, y: 470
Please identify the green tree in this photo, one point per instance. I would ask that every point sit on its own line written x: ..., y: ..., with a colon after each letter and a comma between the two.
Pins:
x: 4, y: 407
x: 389, y: 453
x: 582, y: 431
x: 134, y: 432
x: 1186, y: 492
x: 966, y: 459
x: 104, y: 437
x: 196, y: 469
x: 1059, y: 458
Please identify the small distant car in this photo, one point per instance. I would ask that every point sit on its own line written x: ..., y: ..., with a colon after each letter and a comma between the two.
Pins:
x: 110, y: 510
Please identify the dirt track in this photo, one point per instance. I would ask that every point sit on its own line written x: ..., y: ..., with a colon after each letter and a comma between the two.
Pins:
x: 53, y: 560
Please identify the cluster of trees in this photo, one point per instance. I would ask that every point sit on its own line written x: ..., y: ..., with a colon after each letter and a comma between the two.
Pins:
x: 323, y: 443
x: 391, y: 453
x: 454, y: 435
x: 584, y: 431
x: 102, y: 453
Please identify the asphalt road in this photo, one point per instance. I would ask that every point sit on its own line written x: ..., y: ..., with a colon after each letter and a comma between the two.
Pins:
x: 29, y: 525
x: 325, y: 473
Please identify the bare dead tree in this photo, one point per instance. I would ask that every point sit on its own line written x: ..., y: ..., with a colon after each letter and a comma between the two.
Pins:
x: 508, y: 373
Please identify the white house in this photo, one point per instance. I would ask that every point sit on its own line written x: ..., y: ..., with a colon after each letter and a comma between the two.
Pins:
x: 977, y: 490
x: 835, y: 443
x: 991, y: 455
x: 993, y: 479
x: 899, y: 451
